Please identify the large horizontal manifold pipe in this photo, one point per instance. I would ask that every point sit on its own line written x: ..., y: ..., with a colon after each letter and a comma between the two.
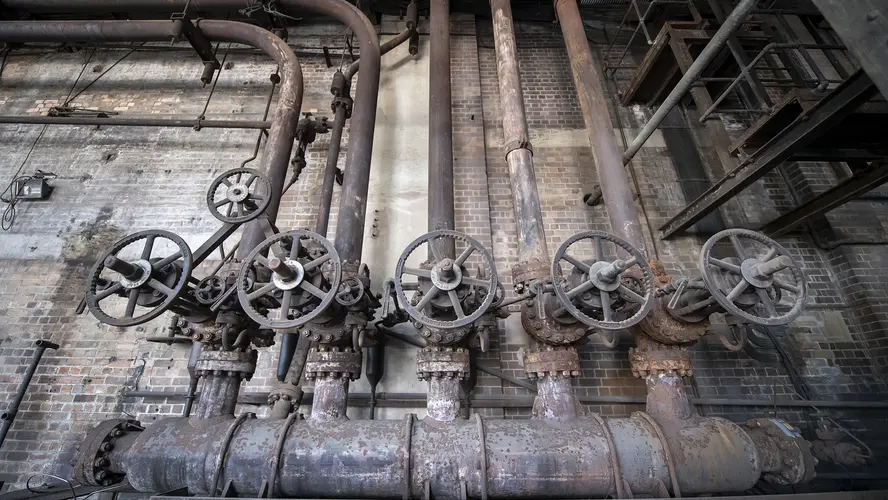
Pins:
x: 396, y: 458
x: 283, y: 129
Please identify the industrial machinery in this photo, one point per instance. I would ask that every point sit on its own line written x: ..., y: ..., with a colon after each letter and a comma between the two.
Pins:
x: 282, y: 287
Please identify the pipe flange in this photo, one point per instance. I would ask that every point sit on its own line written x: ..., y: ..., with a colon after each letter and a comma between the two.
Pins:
x: 662, y: 326
x: 524, y: 273
x: 333, y: 362
x: 445, y: 337
x: 547, y: 329
x: 552, y: 362
x: 284, y: 391
x: 442, y: 362
x: 91, y: 463
x: 786, y: 457
x: 655, y: 359
x: 235, y: 363
x: 326, y: 333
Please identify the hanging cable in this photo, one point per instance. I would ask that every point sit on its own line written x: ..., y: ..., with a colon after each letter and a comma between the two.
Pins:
x: 215, y: 81
x: 88, y: 85
x: 77, y: 80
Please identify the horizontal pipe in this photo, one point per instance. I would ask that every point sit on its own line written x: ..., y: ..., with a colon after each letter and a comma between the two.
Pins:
x: 418, y: 400
x: 405, y: 458
x: 136, y: 122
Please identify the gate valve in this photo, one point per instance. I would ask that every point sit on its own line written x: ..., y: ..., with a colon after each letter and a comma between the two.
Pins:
x: 152, y: 277
x: 599, y: 290
x: 446, y: 296
x: 753, y: 279
x: 302, y: 282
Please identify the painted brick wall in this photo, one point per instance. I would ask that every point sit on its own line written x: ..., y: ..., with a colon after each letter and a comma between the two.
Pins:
x: 113, y: 181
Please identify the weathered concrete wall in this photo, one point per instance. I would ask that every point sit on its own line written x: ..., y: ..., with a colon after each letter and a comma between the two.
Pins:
x: 113, y: 181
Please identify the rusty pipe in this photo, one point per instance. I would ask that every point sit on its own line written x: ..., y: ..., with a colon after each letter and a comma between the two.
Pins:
x: 605, y: 148
x: 280, y: 136
x: 441, y: 213
x: 403, y: 458
x: 516, y: 141
x: 341, y: 90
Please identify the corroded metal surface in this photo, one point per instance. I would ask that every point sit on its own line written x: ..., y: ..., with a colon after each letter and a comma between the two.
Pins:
x: 525, y: 459
x: 564, y: 362
x: 240, y: 362
x: 538, y: 321
x: 442, y: 361
x: 653, y: 359
x: 786, y: 457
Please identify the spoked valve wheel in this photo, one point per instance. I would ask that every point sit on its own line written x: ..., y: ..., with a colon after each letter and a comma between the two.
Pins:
x: 760, y: 271
x: 239, y: 195
x: 139, y: 277
x: 444, y: 283
x: 600, y: 283
x: 297, y: 265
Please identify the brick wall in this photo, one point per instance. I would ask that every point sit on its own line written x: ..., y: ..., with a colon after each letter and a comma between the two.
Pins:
x: 113, y: 181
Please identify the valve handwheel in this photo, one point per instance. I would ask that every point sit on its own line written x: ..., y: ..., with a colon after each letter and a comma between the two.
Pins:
x: 210, y: 289
x: 239, y: 195
x: 447, y: 279
x: 153, y: 277
x: 350, y: 292
x: 293, y: 271
x: 604, y: 277
x: 758, y: 272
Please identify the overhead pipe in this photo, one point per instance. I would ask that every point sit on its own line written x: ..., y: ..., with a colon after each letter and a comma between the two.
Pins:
x: 353, y: 204
x: 341, y: 90
x: 194, y: 123
x: 731, y: 23
x: 222, y: 393
x: 280, y: 136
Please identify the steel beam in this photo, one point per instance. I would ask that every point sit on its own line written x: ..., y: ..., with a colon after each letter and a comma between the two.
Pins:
x: 810, y: 125
x: 863, y: 26
x: 853, y: 187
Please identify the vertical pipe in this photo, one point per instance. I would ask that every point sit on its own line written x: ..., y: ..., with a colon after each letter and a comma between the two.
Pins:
x: 356, y: 181
x: 441, y: 207
x: 9, y: 415
x: 526, y: 198
x: 330, y: 169
x: 556, y: 398
x: 330, y: 398
x: 193, y: 355
x: 605, y: 149
x: 443, y: 399
x: 218, y: 396
x: 731, y: 23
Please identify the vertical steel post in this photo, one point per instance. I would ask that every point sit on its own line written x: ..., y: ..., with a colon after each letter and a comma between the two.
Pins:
x: 441, y: 207
x: 605, y: 148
